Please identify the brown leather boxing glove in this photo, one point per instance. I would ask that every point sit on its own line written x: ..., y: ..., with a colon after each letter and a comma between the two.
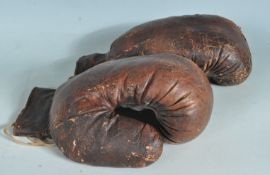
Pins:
x: 118, y: 113
x: 214, y: 43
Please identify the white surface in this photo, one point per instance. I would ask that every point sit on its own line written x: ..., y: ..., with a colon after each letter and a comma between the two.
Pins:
x: 40, y: 42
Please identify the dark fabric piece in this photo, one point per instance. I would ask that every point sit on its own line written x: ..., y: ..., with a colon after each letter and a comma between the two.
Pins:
x: 33, y: 120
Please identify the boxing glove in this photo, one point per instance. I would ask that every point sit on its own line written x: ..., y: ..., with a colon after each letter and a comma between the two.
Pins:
x: 118, y: 113
x: 214, y: 43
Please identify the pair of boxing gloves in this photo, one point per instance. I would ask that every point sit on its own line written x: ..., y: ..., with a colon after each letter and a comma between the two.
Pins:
x: 151, y: 87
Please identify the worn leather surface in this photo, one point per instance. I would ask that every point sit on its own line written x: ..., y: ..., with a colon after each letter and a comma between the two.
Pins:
x: 88, y: 61
x: 118, y: 113
x: 214, y: 43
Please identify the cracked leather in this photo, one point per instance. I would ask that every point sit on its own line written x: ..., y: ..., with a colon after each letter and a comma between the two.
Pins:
x: 88, y: 128
x: 214, y: 43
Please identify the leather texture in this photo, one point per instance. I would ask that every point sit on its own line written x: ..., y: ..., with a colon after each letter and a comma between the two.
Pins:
x: 214, y: 43
x: 120, y: 112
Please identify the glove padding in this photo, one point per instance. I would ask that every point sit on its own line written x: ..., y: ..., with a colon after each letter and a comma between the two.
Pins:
x: 214, y: 43
x: 118, y: 113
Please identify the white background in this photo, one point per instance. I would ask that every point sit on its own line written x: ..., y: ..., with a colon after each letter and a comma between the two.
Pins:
x: 40, y: 42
